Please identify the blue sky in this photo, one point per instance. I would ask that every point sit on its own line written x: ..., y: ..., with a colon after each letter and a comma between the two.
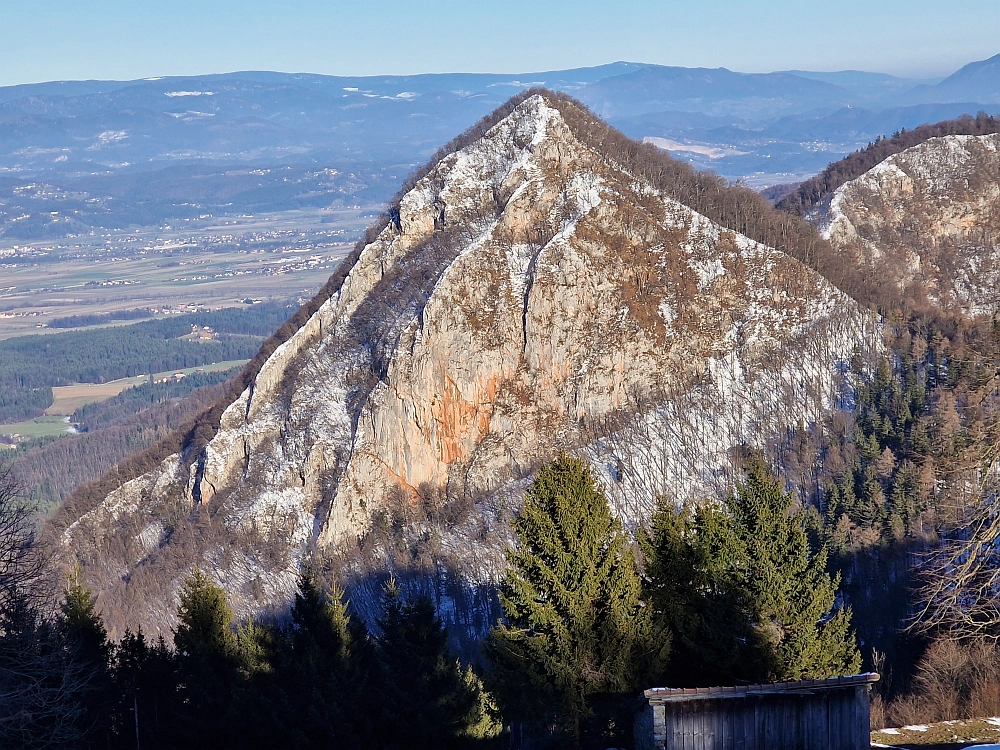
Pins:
x: 71, y: 39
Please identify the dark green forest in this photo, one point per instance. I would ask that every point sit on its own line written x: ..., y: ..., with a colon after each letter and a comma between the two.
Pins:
x: 115, y: 410
x: 96, y: 319
x: 583, y: 632
x: 31, y: 365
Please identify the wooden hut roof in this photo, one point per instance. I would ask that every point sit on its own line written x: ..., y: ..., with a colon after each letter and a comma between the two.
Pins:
x: 802, y: 687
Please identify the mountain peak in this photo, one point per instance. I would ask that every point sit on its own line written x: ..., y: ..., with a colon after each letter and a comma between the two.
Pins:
x: 977, y: 82
x: 933, y: 224
x: 532, y: 290
x: 975, y: 68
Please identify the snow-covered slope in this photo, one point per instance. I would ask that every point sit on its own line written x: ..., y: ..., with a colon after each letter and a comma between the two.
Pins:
x: 929, y: 216
x: 530, y: 296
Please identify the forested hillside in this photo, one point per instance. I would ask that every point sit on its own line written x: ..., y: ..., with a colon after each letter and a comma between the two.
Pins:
x: 911, y: 469
x: 381, y: 449
x: 110, y: 431
x: 577, y: 640
x: 31, y: 365
x: 814, y: 190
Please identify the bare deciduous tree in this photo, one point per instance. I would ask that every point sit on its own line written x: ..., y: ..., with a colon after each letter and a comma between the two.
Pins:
x: 41, y: 683
x: 961, y: 579
x: 21, y: 563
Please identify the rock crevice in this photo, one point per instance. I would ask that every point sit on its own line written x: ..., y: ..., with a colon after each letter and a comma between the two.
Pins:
x: 529, y: 296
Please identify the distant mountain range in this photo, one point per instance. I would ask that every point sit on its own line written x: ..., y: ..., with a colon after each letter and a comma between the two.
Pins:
x: 82, y: 136
x: 976, y: 82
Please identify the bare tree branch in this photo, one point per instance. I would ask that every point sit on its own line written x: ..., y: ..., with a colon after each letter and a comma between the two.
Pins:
x: 960, y: 592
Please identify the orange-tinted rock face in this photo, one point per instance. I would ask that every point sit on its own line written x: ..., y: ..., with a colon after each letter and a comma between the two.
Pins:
x: 561, y: 303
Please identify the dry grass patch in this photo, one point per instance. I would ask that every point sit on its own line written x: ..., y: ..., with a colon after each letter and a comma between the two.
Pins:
x: 66, y: 399
x: 963, y: 731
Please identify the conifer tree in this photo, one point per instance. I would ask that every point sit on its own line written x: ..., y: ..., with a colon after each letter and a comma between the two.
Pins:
x: 575, y: 626
x: 205, y: 631
x: 414, y: 660
x: 789, y: 596
x: 84, y: 636
x: 208, y: 659
x: 320, y: 620
x: 318, y: 694
x: 697, y: 599
x: 145, y: 674
x: 742, y: 593
x: 82, y: 626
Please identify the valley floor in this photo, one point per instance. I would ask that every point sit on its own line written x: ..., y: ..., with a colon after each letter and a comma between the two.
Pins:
x: 218, y: 261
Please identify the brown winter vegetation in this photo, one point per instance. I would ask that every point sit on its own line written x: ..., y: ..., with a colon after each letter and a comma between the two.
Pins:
x: 953, y: 680
x: 22, y: 562
x: 814, y: 190
x: 53, y: 471
x: 733, y: 206
x: 952, y: 733
x: 884, y: 478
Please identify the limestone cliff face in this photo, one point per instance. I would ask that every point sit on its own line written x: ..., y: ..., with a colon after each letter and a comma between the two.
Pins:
x: 529, y: 296
x: 929, y: 215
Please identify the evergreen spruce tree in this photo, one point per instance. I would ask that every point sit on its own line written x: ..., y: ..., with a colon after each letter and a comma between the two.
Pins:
x: 317, y: 695
x: 86, y: 640
x: 414, y: 660
x: 789, y: 596
x: 205, y: 631
x: 744, y: 597
x: 320, y: 619
x: 255, y: 718
x: 575, y: 626
x: 208, y: 659
x: 82, y: 626
x: 697, y: 599
x: 145, y: 674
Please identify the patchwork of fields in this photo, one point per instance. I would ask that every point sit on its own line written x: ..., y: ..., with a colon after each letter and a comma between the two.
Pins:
x: 92, y: 329
x: 69, y: 399
x: 211, y: 262
x: 59, y: 296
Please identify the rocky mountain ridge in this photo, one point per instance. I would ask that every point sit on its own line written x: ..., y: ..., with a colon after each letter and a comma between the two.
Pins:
x: 527, y: 294
x: 928, y: 217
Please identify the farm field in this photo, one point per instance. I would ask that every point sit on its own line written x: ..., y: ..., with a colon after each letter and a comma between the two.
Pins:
x: 207, y: 263
x: 68, y: 398
x: 39, y: 427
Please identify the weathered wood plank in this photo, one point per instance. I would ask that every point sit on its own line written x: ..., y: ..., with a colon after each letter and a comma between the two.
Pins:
x: 807, y: 715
